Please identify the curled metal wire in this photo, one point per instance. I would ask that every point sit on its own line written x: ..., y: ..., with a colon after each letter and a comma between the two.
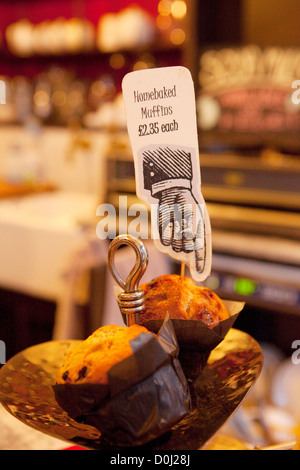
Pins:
x: 131, y: 299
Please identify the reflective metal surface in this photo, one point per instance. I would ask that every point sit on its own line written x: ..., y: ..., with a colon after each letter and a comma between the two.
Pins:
x: 233, y: 367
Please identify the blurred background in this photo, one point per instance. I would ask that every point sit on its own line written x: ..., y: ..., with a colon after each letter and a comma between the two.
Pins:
x: 64, y: 150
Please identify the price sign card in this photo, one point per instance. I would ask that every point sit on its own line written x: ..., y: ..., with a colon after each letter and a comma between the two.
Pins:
x: 161, y: 117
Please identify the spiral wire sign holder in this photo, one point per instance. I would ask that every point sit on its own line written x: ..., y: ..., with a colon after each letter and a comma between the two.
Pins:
x: 131, y: 299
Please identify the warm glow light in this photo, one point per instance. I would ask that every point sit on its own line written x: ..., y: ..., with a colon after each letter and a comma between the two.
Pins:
x: 164, y: 7
x: 177, y: 36
x: 99, y: 88
x: 117, y: 61
x: 140, y: 65
x: 41, y: 98
x: 163, y: 22
x: 75, y: 98
x: 59, y: 98
x: 179, y: 9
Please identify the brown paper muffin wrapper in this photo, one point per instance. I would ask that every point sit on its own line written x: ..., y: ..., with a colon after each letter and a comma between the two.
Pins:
x: 196, y: 340
x: 147, y: 393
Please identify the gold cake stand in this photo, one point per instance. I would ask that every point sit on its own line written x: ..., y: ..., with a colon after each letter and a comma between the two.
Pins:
x: 233, y: 367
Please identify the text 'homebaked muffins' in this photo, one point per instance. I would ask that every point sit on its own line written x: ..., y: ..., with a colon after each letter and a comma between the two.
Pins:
x: 183, y: 300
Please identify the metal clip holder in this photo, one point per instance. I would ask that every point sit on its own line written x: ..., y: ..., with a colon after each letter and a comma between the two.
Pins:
x: 131, y: 300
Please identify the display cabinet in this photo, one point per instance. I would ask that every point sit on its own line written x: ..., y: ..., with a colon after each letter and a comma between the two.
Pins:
x: 66, y: 58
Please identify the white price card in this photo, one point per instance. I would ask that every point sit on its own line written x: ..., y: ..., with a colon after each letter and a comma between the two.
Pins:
x: 161, y: 118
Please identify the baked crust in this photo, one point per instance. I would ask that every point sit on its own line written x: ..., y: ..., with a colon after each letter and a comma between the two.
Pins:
x: 91, y: 359
x: 183, y: 300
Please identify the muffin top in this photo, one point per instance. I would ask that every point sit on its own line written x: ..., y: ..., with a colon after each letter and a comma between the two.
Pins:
x: 183, y: 300
x: 90, y: 360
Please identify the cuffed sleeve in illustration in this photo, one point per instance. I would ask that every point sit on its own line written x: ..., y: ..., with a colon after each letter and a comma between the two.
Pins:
x: 166, y: 168
x: 168, y: 175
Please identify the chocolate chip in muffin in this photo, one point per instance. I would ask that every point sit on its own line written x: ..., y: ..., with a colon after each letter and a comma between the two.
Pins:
x: 65, y: 375
x: 82, y: 373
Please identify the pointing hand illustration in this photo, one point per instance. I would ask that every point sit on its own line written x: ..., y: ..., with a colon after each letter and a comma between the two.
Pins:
x: 180, y: 220
x: 181, y: 224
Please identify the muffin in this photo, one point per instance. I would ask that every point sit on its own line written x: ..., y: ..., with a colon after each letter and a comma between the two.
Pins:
x: 90, y: 360
x: 183, y: 300
x: 127, y: 382
x: 200, y: 319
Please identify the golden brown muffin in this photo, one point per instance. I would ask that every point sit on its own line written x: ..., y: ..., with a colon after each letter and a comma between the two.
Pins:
x: 91, y: 359
x: 183, y: 300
